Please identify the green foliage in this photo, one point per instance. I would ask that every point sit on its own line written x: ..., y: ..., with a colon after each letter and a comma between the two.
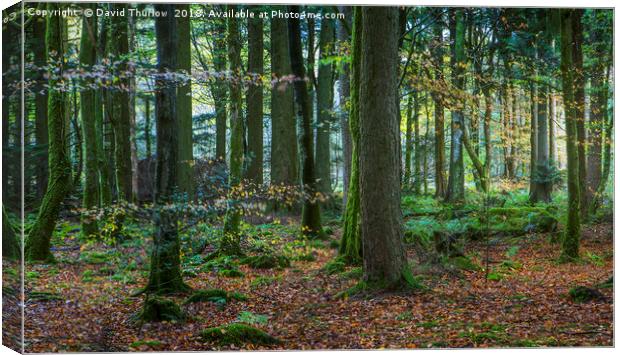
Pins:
x: 252, y: 318
x: 87, y: 275
x: 355, y: 273
x: 268, y: 261
x: 43, y: 296
x: 582, y: 294
x: 237, y: 334
x: 464, y: 263
x: 407, y: 315
x: 215, y: 295
x: 335, y: 266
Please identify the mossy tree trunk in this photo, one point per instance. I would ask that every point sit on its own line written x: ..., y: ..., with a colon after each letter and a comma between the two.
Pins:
x: 165, y: 274
x: 184, y: 107
x: 572, y: 234
x: 38, y: 241
x: 254, y: 100
x: 230, y: 242
x: 88, y: 58
x: 408, y: 142
x: 438, y: 53
x: 311, y: 213
x: 325, y: 99
x: 456, y: 177
x: 119, y: 110
x: 385, y: 263
x: 351, y: 243
x: 285, y: 166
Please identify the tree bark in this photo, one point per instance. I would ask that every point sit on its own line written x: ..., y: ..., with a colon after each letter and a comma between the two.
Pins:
x: 456, y: 180
x: 119, y: 115
x: 570, y: 242
x: 385, y: 263
x: 437, y: 52
x: 88, y: 58
x: 165, y: 274
x: 38, y: 241
x: 255, y: 101
x: 184, y: 107
x: 311, y: 213
x: 325, y: 99
x: 230, y: 242
x: 351, y: 242
x: 284, y: 155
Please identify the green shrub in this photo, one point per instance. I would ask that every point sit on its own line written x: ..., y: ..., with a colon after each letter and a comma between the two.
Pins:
x: 335, y: 266
x: 268, y: 261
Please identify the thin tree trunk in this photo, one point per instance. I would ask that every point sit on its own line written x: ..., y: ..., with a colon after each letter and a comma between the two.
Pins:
x: 88, y: 58
x: 311, y: 213
x: 184, y: 106
x: 440, y: 180
x: 255, y: 101
x: 325, y: 99
x: 230, y: 242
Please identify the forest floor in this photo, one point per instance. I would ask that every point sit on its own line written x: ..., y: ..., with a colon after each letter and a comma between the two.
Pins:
x: 85, y: 303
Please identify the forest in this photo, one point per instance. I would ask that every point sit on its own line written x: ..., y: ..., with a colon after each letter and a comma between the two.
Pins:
x: 182, y: 177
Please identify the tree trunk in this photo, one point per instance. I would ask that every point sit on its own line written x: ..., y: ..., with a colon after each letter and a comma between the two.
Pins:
x: 219, y: 88
x: 351, y: 242
x: 579, y: 102
x: 385, y: 262
x: 230, y: 242
x: 38, y: 241
x: 437, y: 52
x: 284, y: 156
x: 119, y: 47
x: 408, y: 143
x: 165, y: 274
x: 570, y: 242
x: 255, y: 101
x: 88, y: 58
x: 456, y: 181
x: 325, y: 99
x: 311, y: 213
x: 184, y: 107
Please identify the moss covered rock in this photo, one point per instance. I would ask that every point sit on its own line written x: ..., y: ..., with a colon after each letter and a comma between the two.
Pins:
x: 237, y: 334
x: 157, y: 309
